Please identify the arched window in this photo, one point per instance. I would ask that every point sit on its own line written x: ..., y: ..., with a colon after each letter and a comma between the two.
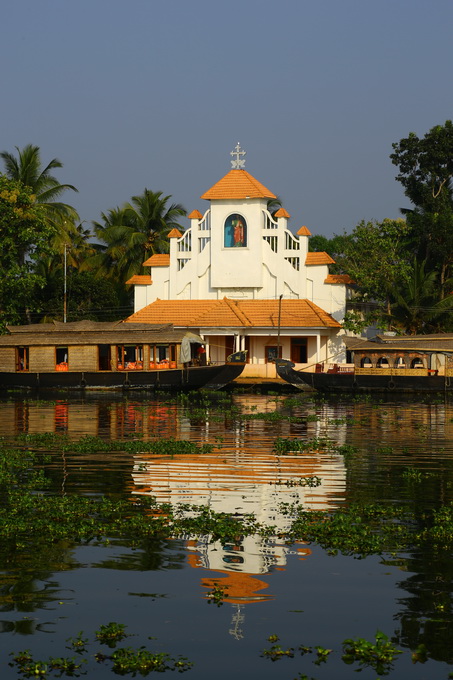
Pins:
x: 366, y: 362
x: 383, y: 362
x: 235, y: 231
x: 417, y: 363
x: 400, y: 363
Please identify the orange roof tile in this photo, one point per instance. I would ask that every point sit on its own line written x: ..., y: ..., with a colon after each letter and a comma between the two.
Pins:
x: 343, y: 279
x: 158, y: 260
x: 140, y: 280
x: 318, y: 258
x: 195, y: 215
x: 303, y: 231
x: 174, y: 233
x: 238, y: 184
x: 228, y: 313
x: 281, y: 212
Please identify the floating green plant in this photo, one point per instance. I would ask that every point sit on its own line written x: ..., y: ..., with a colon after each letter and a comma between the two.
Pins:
x: 378, y: 655
x: 111, y: 633
x: 217, y: 595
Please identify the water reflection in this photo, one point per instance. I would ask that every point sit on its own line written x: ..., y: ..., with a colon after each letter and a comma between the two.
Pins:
x: 244, y: 475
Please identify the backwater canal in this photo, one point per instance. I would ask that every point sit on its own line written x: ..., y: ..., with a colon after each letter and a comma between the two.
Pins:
x: 245, y: 606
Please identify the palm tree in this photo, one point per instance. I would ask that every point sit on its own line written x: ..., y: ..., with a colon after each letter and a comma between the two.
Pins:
x: 417, y: 307
x: 135, y: 232
x: 27, y: 168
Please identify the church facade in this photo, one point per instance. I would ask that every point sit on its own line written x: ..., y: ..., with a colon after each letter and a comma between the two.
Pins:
x: 243, y: 280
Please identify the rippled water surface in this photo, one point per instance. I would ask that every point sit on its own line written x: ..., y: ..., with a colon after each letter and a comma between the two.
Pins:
x: 402, y: 453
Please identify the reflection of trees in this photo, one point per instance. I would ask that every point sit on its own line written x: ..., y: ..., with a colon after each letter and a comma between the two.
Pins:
x: 426, y: 616
x: 152, y: 555
x: 26, y: 582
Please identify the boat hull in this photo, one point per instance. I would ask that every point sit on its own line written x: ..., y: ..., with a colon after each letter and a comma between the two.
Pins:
x: 350, y: 382
x: 194, y: 377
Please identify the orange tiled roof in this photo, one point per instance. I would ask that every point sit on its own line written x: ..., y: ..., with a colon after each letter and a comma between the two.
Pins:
x: 159, y: 260
x: 195, y: 215
x: 318, y: 258
x: 281, y: 212
x: 235, y: 313
x: 140, y: 279
x: 303, y: 231
x: 174, y: 233
x: 238, y: 184
x: 343, y: 279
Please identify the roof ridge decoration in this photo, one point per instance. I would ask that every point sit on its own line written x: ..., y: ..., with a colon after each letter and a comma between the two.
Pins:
x: 238, y: 163
x: 234, y: 306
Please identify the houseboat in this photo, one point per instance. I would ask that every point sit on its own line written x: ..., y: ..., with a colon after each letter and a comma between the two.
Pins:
x: 419, y: 363
x: 89, y: 354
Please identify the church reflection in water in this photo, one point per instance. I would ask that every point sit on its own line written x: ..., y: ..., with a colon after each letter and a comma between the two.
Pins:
x: 241, y: 476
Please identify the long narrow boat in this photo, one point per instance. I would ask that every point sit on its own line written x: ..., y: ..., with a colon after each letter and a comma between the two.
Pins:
x: 412, y: 364
x: 89, y: 355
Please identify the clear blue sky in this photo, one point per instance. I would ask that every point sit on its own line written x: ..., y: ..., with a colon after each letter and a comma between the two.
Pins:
x: 131, y: 94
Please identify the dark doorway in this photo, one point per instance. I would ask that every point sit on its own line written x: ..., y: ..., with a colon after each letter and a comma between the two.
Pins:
x: 299, y: 350
x: 104, y: 358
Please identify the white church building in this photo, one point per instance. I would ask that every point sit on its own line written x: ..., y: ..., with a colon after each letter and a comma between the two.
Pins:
x: 240, y: 278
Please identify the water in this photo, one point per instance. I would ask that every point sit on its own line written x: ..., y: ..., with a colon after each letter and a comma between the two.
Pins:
x: 297, y: 592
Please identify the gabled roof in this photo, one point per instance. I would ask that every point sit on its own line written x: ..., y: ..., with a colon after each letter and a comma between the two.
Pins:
x: 238, y: 184
x: 159, y: 260
x: 313, y: 259
x: 229, y: 313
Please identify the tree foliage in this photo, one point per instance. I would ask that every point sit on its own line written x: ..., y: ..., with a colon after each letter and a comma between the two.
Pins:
x: 27, y: 169
x: 426, y: 172
x: 24, y: 235
x: 131, y: 234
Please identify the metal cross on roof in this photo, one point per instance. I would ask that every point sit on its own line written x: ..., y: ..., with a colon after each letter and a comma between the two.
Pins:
x: 238, y: 162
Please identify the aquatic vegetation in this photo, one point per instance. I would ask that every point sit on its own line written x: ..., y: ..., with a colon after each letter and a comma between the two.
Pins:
x: 217, y: 595
x: 285, y: 446
x: 111, y: 633
x: 78, y: 644
x: 378, y: 655
x: 32, y: 668
x: 304, y: 481
x: 123, y: 660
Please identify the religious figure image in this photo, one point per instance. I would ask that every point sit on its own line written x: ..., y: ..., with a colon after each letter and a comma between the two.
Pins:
x: 235, y: 235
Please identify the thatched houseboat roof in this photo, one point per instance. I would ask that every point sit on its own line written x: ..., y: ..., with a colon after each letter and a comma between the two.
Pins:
x: 441, y: 342
x: 93, y: 333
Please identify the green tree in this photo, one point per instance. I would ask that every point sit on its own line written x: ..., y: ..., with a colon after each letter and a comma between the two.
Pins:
x: 24, y: 234
x: 426, y: 172
x: 375, y: 257
x: 131, y: 234
x: 27, y: 169
x: 88, y: 297
x: 416, y: 307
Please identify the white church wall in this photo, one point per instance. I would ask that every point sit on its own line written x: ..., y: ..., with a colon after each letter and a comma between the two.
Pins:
x: 241, y: 265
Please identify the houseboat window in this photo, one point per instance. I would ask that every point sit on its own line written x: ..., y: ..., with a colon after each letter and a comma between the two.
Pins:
x: 366, y: 362
x: 61, y: 359
x: 162, y: 356
x: 382, y: 362
x: 235, y: 232
x: 104, y: 357
x: 129, y: 357
x: 417, y: 363
x: 22, y: 359
x: 272, y: 352
x: 400, y: 363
